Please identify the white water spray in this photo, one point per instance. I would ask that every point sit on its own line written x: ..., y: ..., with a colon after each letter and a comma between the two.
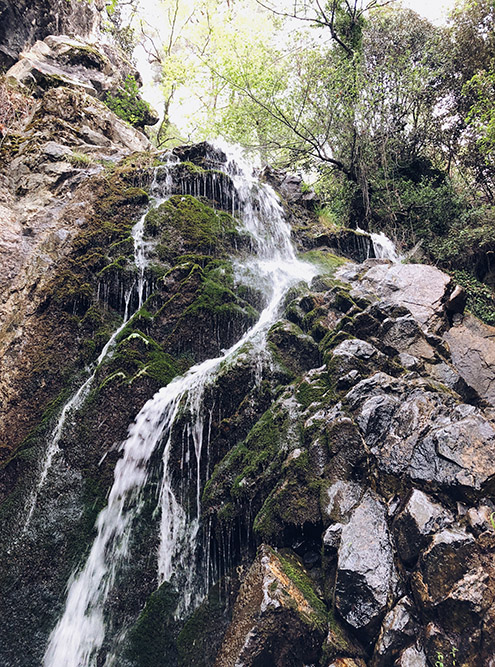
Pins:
x: 383, y: 247
x: 79, y: 635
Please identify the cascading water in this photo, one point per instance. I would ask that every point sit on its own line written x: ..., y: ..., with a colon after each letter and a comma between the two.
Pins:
x: 383, y: 247
x: 79, y: 635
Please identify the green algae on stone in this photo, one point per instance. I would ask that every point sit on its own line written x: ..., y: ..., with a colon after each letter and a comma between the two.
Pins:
x: 293, y: 503
x: 326, y: 262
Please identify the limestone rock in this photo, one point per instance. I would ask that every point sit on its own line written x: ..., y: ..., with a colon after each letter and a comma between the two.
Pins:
x: 366, y: 576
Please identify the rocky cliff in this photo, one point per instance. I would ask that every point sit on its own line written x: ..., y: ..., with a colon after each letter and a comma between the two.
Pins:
x: 215, y: 452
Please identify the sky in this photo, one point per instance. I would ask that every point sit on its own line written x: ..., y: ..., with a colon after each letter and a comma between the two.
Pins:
x: 434, y: 10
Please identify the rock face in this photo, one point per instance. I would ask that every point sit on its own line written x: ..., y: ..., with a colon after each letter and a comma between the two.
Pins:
x: 366, y: 578
x: 472, y: 346
x: 337, y: 486
x: 23, y: 23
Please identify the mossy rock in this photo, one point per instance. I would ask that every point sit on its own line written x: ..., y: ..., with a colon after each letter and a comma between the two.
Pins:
x: 327, y: 262
x: 246, y: 475
x: 201, y: 637
x: 184, y: 225
x: 292, y: 504
x: 152, y: 640
x: 294, y: 350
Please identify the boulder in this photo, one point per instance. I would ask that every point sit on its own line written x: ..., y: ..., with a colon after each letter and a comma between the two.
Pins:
x: 422, y: 289
x: 420, y: 431
x: 414, y: 525
x: 399, y: 628
x: 366, y: 577
x: 472, y: 347
x: 278, y: 619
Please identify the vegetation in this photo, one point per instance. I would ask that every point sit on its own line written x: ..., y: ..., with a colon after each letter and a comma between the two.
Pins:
x: 128, y: 105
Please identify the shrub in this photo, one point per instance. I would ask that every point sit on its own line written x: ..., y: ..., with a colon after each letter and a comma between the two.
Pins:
x: 127, y: 104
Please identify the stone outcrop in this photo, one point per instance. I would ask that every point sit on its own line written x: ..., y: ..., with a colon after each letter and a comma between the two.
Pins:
x: 22, y: 23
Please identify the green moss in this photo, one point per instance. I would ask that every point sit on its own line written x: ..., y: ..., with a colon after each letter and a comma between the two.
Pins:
x: 152, y: 640
x: 250, y: 467
x: 201, y: 637
x: 318, y: 390
x: 327, y: 262
x: 293, y: 503
x: 296, y: 573
x: 184, y: 225
x: 259, y: 451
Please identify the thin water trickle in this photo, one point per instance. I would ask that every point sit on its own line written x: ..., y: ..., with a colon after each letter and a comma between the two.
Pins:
x: 78, y: 398
x: 78, y: 637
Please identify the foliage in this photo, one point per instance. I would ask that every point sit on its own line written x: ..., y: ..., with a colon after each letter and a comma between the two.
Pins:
x: 128, y: 105
x: 481, y: 299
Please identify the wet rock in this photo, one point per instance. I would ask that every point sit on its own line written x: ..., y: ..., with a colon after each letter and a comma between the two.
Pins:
x: 398, y: 629
x: 418, y: 430
x: 332, y: 537
x: 412, y: 657
x: 290, y: 187
x: 278, y: 619
x: 405, y: 335
x: 366, y: 576
x: 472, y: 347
x: 420, y: 288
x: 414, y: 525
x: 446, y: 561
x: 353, y: 356
x: 297, y: 351
x: 456, y: 301
x: 340, y: 499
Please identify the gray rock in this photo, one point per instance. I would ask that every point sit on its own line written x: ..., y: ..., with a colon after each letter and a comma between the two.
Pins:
x: 405, y: 335
x: 341, y: 498
x: 443, y: 565
x: 420, y: 430
x: 420, y: 288
x: 366, y: 576
x: 332, y: 537
x: 56, y: 151
x: 412, y: 657
x: 414, y: 525
x: 472, y: 347
x: 398, y: 629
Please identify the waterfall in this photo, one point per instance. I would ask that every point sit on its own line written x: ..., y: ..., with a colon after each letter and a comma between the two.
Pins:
x: 383, y: 247
x: 79, y: 635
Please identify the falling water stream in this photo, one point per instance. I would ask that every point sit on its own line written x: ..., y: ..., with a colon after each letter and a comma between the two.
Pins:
x: 79, y: 635
x: 383, y: 247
